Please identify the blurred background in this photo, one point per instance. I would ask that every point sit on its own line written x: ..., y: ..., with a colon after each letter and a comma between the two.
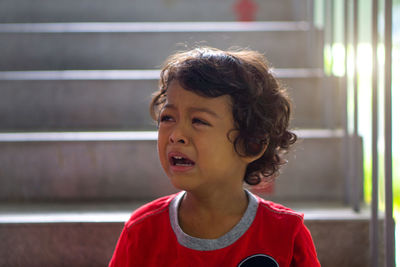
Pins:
x: 78, y: 147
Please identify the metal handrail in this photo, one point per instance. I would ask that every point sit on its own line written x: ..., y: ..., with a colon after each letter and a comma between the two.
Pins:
x: 374, y: 227
x: 355, y: 144
x: 389, y: 223
x: 352, y: 146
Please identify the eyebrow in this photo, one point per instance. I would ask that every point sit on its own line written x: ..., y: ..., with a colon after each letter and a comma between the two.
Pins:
x: 195, y: 109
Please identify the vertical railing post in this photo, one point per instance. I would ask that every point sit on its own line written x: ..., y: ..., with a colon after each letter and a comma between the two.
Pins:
x: 355, y: 143
x: 327, y: 35
x: 344, y: 98
x: 389, y: 223
x: 329, y: 117
x: 310, y: 10
x: 374, y: 226
x: 346, y: 143
x: 312, y: 62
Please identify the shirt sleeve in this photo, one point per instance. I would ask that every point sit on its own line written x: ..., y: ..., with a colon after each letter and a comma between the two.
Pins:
x: 304, y: 253
x: 120, y: 256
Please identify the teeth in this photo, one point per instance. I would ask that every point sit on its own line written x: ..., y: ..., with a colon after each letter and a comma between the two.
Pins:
x: 182, y: 164
x: 181, y: 161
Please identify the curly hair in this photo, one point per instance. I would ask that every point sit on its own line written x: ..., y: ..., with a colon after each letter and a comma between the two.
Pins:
x: 260, y: 106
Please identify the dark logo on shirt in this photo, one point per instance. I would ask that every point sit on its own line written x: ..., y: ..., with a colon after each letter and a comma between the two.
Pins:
x: 259, y: 260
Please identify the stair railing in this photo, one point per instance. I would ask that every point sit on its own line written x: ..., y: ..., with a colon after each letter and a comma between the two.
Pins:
x: 350, y: 11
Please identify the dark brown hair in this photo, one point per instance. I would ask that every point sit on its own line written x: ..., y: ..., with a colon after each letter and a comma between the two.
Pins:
x: 260, y: 106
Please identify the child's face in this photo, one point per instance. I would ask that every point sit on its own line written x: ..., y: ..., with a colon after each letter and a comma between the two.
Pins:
x: 193, y: 143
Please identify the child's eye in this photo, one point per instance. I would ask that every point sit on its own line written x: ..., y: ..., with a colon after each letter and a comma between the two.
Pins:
x: 165, y: 118
x: 199, y: 121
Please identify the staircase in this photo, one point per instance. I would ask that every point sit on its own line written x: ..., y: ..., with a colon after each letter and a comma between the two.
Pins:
x: 78, y: 147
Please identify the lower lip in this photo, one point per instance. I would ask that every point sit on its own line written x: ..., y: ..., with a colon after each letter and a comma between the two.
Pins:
x: 175, y: 168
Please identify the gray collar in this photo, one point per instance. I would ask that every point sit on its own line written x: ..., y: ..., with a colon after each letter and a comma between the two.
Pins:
x: 212, y: 244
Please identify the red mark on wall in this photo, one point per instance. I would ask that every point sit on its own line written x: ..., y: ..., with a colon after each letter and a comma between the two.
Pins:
x: 245, y: 10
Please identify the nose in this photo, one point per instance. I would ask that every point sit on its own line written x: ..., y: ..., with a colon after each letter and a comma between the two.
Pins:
x: 178, y: 136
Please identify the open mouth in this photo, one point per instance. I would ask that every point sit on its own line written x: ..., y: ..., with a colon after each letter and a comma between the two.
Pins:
x: 181, y: 161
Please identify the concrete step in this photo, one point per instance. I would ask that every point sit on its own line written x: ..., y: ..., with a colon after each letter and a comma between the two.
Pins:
x: 59, y: 46
x: 119, y: 99
x: 84, y: 234
x: 144, y: 10
x: 124, y: 166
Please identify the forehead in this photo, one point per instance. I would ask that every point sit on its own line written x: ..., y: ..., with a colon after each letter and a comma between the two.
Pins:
x: 178, y: 97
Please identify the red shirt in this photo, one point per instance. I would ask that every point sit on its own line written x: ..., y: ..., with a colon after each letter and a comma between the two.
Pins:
x: 274, y: 236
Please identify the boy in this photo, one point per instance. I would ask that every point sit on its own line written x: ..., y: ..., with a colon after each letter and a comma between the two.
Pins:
x: 222, y: 119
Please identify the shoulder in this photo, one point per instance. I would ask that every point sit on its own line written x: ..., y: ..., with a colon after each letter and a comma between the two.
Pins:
x: 279, y: 221
x: 149, y: 211
x: 289, y: 224
x: 279, y: 211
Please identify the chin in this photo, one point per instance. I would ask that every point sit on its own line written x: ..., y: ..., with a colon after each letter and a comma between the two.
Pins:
x: 181, y: 184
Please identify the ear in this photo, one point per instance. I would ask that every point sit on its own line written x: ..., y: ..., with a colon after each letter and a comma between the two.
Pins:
x: 256, y: 147
x: 259, y: 145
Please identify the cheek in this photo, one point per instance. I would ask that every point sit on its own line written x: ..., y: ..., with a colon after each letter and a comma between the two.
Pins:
x: 161, y: 147
x: 162, y: 157
x: 162, y: 137
x: 220, y: 149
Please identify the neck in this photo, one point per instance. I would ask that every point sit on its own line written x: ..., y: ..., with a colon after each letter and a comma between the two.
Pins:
x: 213, y: 214
x: 215, y: 202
